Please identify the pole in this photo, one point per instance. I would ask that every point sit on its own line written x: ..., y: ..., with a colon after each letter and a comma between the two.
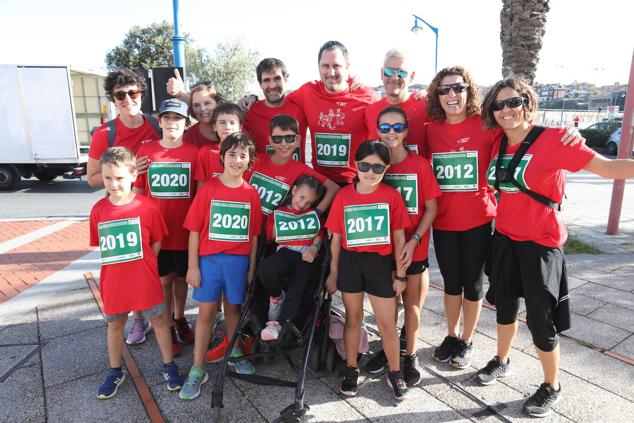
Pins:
x: 436, y: 58
x: 625, y: 152
x: 435, y: 30
x: 178, y: 42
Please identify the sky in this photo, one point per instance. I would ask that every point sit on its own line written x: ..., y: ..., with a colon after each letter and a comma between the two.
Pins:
x: 586, y: 40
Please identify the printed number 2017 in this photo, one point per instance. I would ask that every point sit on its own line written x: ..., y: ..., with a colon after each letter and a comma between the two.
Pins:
x: 360, y: 224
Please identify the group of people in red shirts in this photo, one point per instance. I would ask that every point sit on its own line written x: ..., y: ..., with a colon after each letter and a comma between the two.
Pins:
x: 382, y: 173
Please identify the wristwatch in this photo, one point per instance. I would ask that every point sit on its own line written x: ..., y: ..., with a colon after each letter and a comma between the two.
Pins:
x: 401, y: 278
x: 416, y: 237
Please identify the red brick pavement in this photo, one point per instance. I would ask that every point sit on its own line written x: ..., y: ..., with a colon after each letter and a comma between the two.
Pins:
x: 25, y: 266
x: 10, y: 230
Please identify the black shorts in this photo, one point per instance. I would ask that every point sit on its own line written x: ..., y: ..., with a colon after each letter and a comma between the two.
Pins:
x: 461, y: 257
x: 172, y: 261
x: 415, y: 267
x: 365, y: 272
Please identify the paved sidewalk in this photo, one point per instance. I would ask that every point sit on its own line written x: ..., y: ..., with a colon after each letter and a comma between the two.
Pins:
x: 53, y: 355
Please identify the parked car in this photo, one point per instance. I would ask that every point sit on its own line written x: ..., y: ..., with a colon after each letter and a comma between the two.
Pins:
x: 614, y: 143
x: 597, y: 134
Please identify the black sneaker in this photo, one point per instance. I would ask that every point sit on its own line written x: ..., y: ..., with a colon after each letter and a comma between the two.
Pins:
x: 402, y: 339
x: 541, y: 402
x: 397, y: 383
x: 411, y: 370
x: 377, y: 363
x: 349, y: 383
x: 443, y: 352
x: 493, y: 370
x: 461, y: 356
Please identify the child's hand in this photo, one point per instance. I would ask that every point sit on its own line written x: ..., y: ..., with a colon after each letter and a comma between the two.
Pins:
x: 408, y: 253
x: 309, y: 255
x: 193, y: 277
x: 142, y: 164
x: 331, y: 283
x: 398, y: 287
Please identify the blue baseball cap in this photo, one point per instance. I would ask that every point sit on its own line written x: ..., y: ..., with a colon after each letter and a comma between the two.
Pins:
x: 174, y: 105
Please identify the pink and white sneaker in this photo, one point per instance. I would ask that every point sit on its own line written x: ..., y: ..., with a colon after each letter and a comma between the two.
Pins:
x: 272, y: 331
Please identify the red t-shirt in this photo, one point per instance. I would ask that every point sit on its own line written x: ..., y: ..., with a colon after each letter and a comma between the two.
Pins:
x: 171, y: 187
x: 416, y: 111
x: 414, y: 179
x: 274, y: 181
x: 460, y: 155
x: 337, y: 126
x: 294, y: 228
x: 129, y: 275
x: 193, y: 136
x: 228, y: 219
x: 130, y: 138
x: 208, y: 163
x: 542, y: 170
x: 258, y: 118
x: 366, y: 221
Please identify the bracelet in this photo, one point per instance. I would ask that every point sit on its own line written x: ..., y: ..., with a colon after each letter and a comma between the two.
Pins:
x: 401, y: 278
x: 317, y: 245
x: 416, y: 237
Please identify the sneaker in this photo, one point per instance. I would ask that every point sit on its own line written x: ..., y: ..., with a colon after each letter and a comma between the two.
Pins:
x: 397, y: 383
x: 137, y: 332
x: 191, y: 388
x: 174, y: 380
x: 443, y: 352
x: 349, y: 383
x: 217, y: 349
x: 541, y: 402
x: 272, y: 331
x: 492, y: 371
x: 176, y: 346
x: 184, y: 331
x: 243, y: 367
x: 377, y: 363
x: 461, y: 356
x: 402, y: 339
x: 275, y: 306
x: 411, y: 370
x: 109, y: 386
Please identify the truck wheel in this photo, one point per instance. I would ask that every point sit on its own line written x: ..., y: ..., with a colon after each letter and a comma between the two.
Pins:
x: 46, y: 175
x: 8, y: 177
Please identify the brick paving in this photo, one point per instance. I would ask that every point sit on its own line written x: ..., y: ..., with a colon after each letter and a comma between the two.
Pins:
x: 14, y: 229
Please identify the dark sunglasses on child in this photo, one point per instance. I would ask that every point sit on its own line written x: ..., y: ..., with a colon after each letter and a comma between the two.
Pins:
x: 377, y: 168
x: 511, y: 103
x: 389, y: 72
x: 120, y: 95
x: 384, y: 128
x: 457, y: 88
x: 289, y: 139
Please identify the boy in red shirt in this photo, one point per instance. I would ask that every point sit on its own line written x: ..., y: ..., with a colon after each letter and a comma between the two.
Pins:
x: 168, y: 183
x: 128, y: 228
x: 224, y: 221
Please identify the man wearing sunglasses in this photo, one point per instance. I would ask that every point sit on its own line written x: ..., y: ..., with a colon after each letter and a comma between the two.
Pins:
x: 396, y: 75
x: 125, y: 89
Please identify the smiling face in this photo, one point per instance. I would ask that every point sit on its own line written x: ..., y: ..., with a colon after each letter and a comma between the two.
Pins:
x: 453, y: 103
x: 117, y: 179
x: 509, y: 117
x: 203, y: 106
x: 370, y: 179
x: 226, y: 124
x: 395, y: 86
x: 273, y: 86
x: 303, y: 197
x: 392, y: 138
x: 333, y: 70
x: 128, y: 107
x: 173, y: 125
x: 283, y: 150
x: 236, y: 162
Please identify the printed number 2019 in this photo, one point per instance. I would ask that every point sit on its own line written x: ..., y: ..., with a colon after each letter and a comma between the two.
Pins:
x: 110, y: 242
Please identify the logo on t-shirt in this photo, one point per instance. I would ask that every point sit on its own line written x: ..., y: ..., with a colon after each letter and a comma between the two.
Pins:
x: 332, y: 119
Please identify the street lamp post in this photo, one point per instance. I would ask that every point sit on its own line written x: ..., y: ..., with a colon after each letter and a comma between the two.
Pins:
x: 416, y: 29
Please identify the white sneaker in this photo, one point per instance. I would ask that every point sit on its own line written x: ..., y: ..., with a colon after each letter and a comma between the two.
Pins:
x: 272, y: 331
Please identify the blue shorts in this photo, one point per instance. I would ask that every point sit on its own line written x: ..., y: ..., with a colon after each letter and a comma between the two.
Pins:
x: 222, y: 274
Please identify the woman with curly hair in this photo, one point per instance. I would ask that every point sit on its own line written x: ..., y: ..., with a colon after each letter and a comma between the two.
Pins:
x: 203, y: 99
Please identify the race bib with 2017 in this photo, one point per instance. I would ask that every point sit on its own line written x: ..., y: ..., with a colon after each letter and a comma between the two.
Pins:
x: 169, y: 179
x: 120, y: 241
x: 407, y: 185
x: 520, y: 172
x: 367, y: 224
x: 332, y: 150
x: 456, y: 171
x: 229, y: 221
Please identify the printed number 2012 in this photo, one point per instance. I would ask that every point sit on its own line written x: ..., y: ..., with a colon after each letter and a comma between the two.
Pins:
x: 450, y: 172
x: 300, y: 224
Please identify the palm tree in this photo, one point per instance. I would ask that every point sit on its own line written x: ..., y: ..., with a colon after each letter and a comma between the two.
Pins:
x: 522, y: 27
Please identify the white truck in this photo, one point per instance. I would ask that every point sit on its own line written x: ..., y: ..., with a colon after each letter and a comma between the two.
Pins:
x: 46, y: 113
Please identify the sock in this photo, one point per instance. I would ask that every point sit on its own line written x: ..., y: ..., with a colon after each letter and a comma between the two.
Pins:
x: 116, y: 368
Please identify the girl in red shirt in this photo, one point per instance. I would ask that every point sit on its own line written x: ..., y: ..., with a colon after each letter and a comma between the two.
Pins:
x: 367, y: 220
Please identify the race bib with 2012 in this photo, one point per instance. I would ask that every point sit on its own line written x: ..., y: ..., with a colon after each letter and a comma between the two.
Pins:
x: 120, y: 241
x: 367, y: 224
x: 456, y: 171
x: 169, y: 179
x: 270, y: 190
x: 332, y: 150
x: 407, y: 185
x: 297, y: 155
x: 229, y: 221
x: 294, y: 227
x: 520, y: 172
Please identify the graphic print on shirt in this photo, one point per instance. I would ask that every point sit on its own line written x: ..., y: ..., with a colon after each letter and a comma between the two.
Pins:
x: 407, y: 185
x: 333, y: 150
x: 270, y: 190
x: 456, y: 171
x: 120, y: 240
x: 295, y: 227
x: 367, y: 224
x: 169, y: 179
x: 229, y: 221
x: 520, y: 172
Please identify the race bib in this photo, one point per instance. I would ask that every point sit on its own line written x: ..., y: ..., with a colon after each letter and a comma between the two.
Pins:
x: 406, y: 185
x: 169, y: 179
x: 271, y: 191
x: 229, y: 221
x: 333, y: 150
x: 120, y: 241
x: 297, y: 156
x: 456, y: 171
x: 293, y: 227
x: 520, y: 172
x: 367, y: 224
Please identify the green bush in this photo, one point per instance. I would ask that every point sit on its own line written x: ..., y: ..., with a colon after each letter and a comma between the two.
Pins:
x: 595, y: 138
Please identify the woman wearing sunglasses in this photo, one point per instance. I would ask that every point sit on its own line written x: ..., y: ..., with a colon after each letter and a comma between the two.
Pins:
x: 527, y: 257
x: 459, y: 148
x: 367, y: 220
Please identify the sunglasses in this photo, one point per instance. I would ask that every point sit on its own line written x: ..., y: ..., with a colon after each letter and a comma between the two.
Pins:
x: 389, y: 72
x: 289, y: 139
x: 384, y: 128
x: 120, y: 95
x: 511, y: 103
x: 458, y: 87
x: 377, y: 168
